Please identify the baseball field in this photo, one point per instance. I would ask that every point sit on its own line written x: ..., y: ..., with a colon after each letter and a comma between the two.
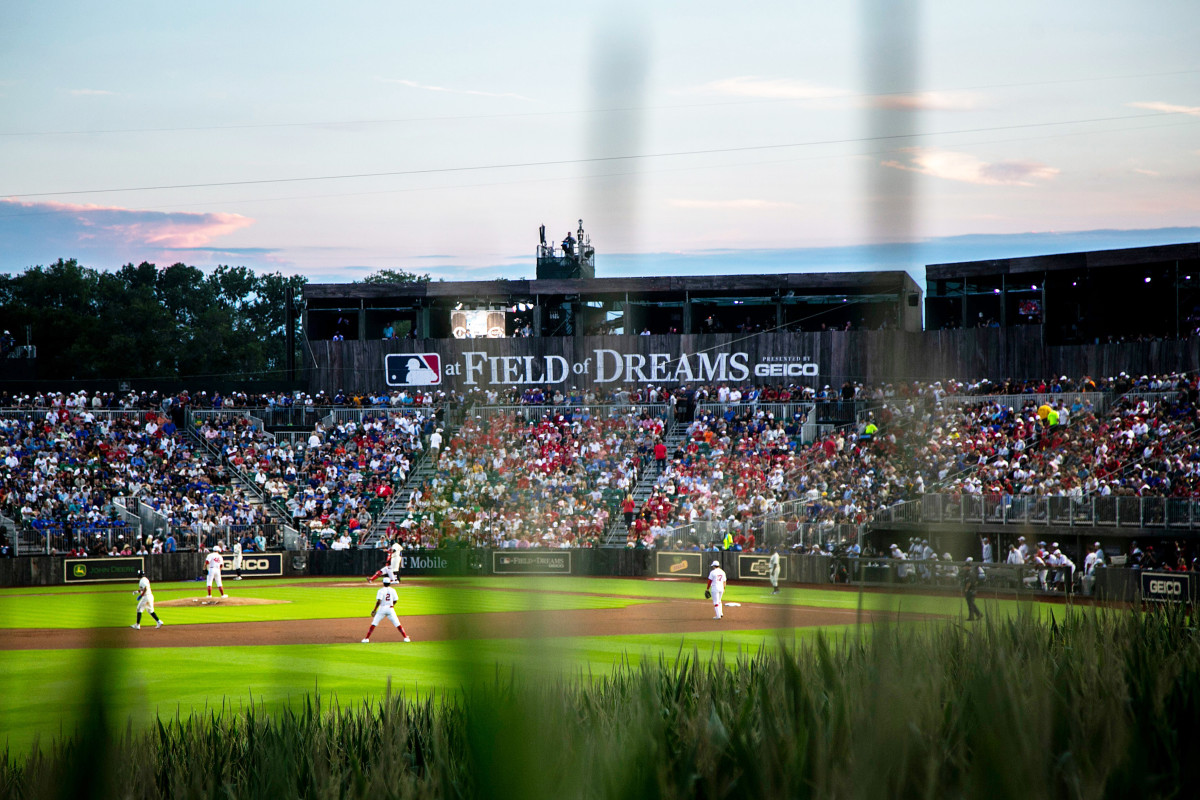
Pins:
x: 822, y: 682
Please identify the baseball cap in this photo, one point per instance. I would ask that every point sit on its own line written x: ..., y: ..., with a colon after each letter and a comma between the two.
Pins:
x: 716, y: 563
x: 387, y: 581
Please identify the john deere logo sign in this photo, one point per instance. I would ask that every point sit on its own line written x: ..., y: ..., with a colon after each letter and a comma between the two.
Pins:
x: 92, y: 570
x: 683, y: 565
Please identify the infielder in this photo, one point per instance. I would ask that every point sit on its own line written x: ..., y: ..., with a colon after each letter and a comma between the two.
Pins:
x: 145, y: 602
x: 773, y: 571
x: 237, y: 557
x: 716, y: 588
x: 214, y: 562
x: 385, y: 606
x: 391, y: 569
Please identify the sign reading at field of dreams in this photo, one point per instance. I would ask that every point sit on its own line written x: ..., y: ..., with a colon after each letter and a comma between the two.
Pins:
x: 1167, y: 587
x: 758, y: 568
x: 90, y: 570
x: 603, y: 366
x: 687, y: 565
x: 256, y: 565
x: 531, y: 562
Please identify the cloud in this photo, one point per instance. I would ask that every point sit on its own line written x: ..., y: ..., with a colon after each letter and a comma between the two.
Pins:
x: 1149, y: 172
x: 35, y: 232
x: 769, y: 88
x: 926, y: 101
x: 475, y: 92
x: 89, y: 92
x: 967, y: 168
x: 740, y: 203
x: 1168, y: 108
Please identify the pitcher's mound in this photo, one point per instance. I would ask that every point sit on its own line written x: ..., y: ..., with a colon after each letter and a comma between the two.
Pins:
x: 220, y: 601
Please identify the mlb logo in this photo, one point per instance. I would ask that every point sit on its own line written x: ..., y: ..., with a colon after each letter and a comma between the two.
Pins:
x: 413, y: 369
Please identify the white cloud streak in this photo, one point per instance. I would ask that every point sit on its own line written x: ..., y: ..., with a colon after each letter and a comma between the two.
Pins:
x: 966, y: 168
x: 90, y: 92
x: 1167, y: 108
x: 744, y: 203
x: 447, y: 90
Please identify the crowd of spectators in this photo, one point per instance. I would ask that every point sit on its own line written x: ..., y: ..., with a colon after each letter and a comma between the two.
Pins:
x: 552, y: 481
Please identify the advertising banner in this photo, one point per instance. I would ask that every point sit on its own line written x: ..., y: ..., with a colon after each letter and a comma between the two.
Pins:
x: 432, y: 563
x: 93, y: 570
x: 531, y: 562
x: 683, y: 565
x: 758, y: 568
x: 256, y: 565
x: 1167, y: 587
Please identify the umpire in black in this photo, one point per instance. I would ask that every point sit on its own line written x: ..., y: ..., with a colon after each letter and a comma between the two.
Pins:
x: 970, y: 585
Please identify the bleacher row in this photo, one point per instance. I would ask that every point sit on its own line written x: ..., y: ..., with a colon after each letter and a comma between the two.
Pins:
x: 563, y: 474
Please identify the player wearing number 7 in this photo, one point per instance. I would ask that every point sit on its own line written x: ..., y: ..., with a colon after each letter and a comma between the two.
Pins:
x: 716, y: 588
x: 145, y: 602
x: 385, y: 606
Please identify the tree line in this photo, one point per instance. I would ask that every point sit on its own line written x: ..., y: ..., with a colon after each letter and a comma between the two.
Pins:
x: 145, y: 322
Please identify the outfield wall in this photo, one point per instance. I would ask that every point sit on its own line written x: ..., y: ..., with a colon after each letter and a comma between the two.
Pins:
x: 59, y: 570
x: 746, y: 568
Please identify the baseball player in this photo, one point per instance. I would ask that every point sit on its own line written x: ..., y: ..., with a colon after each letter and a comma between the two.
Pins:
x: 385, y: 606
x: 716, y: 587
x: 391, y: 568
x: 145, y: 602
x: 237, y: 557
x: 773, y: 570
x: 214, y: 562
x: 386, y: 572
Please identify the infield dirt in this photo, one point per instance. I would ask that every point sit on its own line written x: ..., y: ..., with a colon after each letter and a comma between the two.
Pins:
x: 664, y: 616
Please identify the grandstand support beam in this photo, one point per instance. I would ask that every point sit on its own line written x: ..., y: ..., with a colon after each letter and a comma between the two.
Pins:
x: 289, y: 340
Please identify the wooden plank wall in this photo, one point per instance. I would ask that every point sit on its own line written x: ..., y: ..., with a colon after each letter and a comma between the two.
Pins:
x: 996, y: 353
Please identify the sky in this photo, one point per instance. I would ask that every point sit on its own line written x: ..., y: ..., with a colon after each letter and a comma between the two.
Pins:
x: 334, y: 140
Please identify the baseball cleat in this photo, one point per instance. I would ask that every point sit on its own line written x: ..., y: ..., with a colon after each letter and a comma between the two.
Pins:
x: 407, y: 639
x: 159, y: 625
x: 366, y: 641
x: 136, y: 627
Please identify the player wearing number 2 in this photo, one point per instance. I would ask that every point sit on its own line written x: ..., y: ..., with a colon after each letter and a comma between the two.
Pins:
x: 145, y: 602
x: 716, y: 588
x: 385, y: 607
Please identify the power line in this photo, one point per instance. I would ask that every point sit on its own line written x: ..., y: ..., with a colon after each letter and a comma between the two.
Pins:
x: 591, y: 160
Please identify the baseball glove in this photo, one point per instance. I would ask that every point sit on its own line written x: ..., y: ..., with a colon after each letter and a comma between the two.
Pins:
x: 707, y: 594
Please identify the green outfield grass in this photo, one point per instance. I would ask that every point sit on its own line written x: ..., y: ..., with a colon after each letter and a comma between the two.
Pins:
x: 44, y: 691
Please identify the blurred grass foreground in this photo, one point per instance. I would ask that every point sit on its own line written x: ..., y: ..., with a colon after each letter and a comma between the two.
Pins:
x: 1100, y: 704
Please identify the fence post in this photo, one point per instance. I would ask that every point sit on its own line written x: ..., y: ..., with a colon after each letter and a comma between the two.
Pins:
x: 1141, y: 512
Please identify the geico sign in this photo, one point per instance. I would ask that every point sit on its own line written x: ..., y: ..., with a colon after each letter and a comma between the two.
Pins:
x: 249, y: 564
x: 792, y: 370
x: 1166, y: 587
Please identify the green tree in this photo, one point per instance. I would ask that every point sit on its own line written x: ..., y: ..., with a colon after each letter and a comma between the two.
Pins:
x: 395, y: 276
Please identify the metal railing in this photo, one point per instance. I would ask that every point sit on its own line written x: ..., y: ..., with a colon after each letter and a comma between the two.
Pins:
x: 589, y: 410
x: 1004, y: 509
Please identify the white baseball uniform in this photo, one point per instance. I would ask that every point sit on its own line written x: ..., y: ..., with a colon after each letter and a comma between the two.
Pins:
x: 395, y: 562
x: 717, y: 586
x: 387, y: 598
x: 237, y: 555
x: 387, y: 573
x: 145, y: 596
x: 214, y: 562
x: 773, y: 570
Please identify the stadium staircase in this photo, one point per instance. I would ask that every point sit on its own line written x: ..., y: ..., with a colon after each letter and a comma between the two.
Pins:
x: 422, y: 471
x: 675, y: 436
x: 272, y: 509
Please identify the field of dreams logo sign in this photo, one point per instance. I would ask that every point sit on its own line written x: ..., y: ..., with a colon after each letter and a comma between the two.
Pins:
x: 1167, y: 587
x: 94, y: 570
x: 684, y: 565
x: 413, y: 369
x: 549, y: 563
x: 758, y: 568
x: 256, y: 565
